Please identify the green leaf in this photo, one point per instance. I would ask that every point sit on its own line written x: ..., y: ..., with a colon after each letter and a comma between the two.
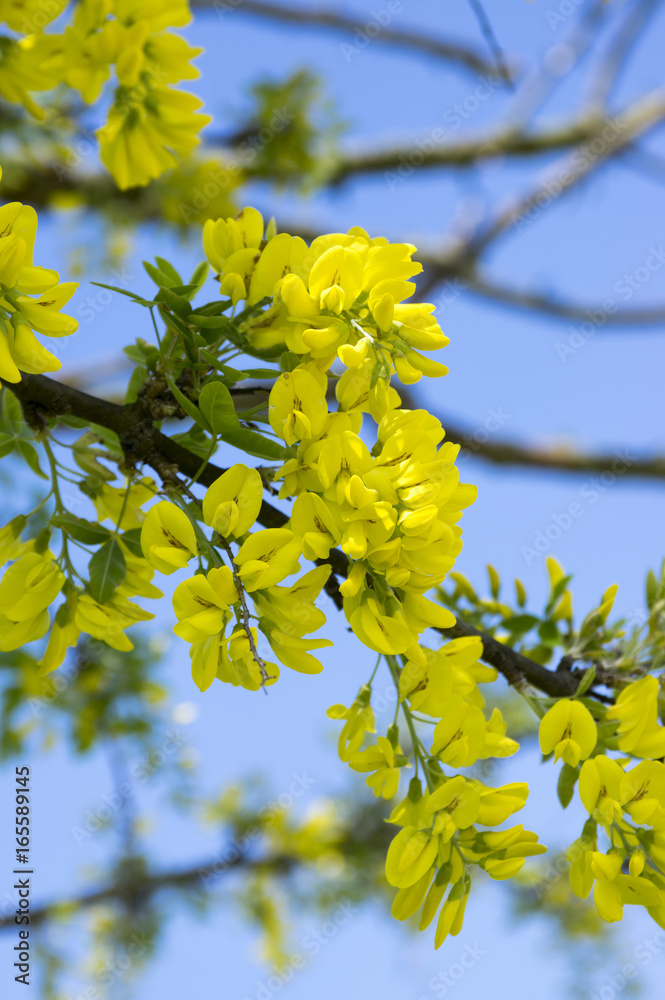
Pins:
x: 76, y: 422
x: 132, y: 539
x: 176, y: 303
x: 173, y: 321
x: 161, y: 279
x: 261, y: 373
x: 209, y: 322
x: 212, y: 308
x: 107, y: 570
x: 588, y: 678
x: 255, y: 444
x: 200, y: 274
x: 12, y: 415
x: 288, y: 361
x: 557, y: 591
x: 31, y: 457
x: 136, y: 380
x: 186, y: 291
x: 87, y: 532
x: 123, y: 291
x: 232, y: 374
x: 519, y: 624
x: 566, y: 784
x: 190, y: 441
x: 651, y: 589
x: 549, y: 633
x: 187, y: 405
x: 169, y: 270
x: 217, y: 407
x: 7, y: 442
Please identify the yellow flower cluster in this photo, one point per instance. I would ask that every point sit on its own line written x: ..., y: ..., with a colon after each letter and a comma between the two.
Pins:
x: 440, y: 837
x: 628, y: 803
x: 149, y: 122
x: 30, y: 298
x: 343, y: 296
x: 213, y: 608
x: 35, y: 579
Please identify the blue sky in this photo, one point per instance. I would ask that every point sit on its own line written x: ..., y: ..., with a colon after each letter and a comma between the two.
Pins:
x: 606, y: 395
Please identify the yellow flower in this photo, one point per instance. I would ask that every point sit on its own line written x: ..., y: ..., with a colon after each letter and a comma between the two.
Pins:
x: 613, y: 890
x: 411, y: 854
x: 267, y: 557
x: 64, y: 634
x: 313, y: 522
x: 232, y: 504
x: 358, y: 720
x: 108, y: 621
x: 29, y: 586
x: 297, y: 406
x: 569, y: 730
x: 202, y: 604
x: 456, y: 805
x: 642, y: 791
x: 294, y: 651
x: 460, y: 735
x: 637, y: 711
x: 384, y: 760
x: 600, y: 788
x: 168, y: 539
x: 452, y: 912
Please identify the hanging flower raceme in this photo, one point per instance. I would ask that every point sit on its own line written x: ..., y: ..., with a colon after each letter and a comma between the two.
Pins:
x: 150, y: 123
x: 370, y: 493
x: 30, y: 298
x: 342, y: 297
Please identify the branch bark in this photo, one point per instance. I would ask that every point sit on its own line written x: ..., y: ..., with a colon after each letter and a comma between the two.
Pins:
x: 456, y: 52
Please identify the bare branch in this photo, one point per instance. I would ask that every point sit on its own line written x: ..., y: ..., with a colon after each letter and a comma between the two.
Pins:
x: 616, y: 134
x: 456, y: 52
x: 626, y: 35
x: 549, y: 305
x: 491, y: 39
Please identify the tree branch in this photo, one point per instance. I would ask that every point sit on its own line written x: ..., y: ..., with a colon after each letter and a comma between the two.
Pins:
x: 331, y: 20
x: 516, y: 668
x: 41, y: 397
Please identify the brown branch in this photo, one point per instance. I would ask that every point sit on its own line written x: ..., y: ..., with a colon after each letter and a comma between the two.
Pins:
x: 502, y: 452
x: 614, y: 136
x: 331, y: 20
x: 534, y: 301
x: 137, y: 890
x: 516, y: 668
x: 141, y: 442
x: 42, y: 397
